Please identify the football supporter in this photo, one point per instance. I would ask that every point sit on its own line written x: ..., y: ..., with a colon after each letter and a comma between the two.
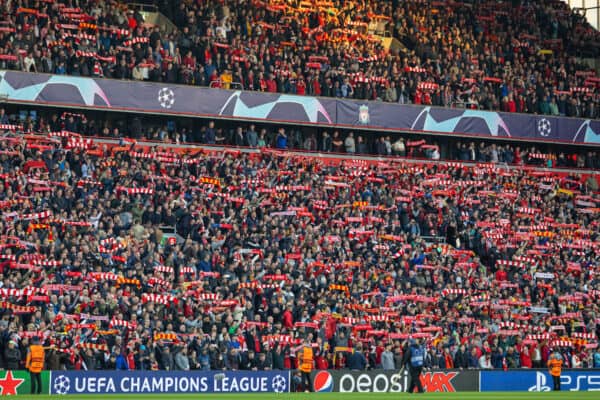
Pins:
x: 145, y: 256
x: 514, y: 56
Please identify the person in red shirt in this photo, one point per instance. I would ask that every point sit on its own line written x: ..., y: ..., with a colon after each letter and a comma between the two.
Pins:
x: 525, y: 354
x: 501, y: 275
x: 378, y: 350
x: 321, y: 361
x: 301, y: 86
x: 518, y: 156
x: 271, y: 84
x: 130, y: 359
x: 418, y: 97
x: 426, y: 98
x: 510, y: 104
x: 188, y: 60
x: 288, y: 318
x: 131, y: 21
x: 330, y: 327
x: 316, y: 86
x: 262, y: 82
x: 214, y: 80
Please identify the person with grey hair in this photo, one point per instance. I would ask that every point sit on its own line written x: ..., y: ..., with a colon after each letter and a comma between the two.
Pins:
x: 387, y: 358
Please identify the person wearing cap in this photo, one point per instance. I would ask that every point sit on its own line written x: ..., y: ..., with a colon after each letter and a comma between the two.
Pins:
x: 414, y: 358
x: 555, y: 368
x: 35, y: 364
x: 12, y: 355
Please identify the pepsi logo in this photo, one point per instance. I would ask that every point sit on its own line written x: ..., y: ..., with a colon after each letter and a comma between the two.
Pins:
x: 323, y: 382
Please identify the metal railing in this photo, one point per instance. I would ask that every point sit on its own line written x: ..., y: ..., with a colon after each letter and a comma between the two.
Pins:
x: 232, y: 85
x: 465, y: 104
x: 434, y: 239
x: 143, y: 7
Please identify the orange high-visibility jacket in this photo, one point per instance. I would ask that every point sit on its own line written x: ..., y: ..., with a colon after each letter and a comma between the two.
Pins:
x: 555, y: 366
x: 306, y: 359
x: 35, y: 358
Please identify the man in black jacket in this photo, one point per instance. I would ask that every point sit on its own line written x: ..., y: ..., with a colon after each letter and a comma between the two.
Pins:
x: 249, y: 361
x: 12, y: 356
x: 461, y: 358
x: 278, y: 358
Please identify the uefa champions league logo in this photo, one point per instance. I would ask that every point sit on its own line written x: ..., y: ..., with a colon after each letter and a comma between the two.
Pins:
x: 61, y: 384
x: 544, y: 127
x: 166, y: 97
x: 278, y: 384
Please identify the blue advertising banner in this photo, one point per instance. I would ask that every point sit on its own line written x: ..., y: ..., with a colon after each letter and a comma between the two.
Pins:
x: 538, y: 381
x: 151, y: 97
x: 90, y: 382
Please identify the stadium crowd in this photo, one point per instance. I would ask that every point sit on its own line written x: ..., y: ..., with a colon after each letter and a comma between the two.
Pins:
x: 300, y: 139
x: 491, y: 266
x: 515, y: 56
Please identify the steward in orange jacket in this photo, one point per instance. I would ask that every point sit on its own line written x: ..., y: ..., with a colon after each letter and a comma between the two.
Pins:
x: 306, y: 363
x: 555, y: 363
x: 35, y: 364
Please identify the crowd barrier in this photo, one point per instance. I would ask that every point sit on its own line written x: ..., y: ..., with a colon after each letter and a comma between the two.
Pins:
x: 169, y: 382
x: 152, y: 98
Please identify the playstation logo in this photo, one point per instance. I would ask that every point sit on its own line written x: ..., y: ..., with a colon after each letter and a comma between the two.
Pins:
x: 540, y: 383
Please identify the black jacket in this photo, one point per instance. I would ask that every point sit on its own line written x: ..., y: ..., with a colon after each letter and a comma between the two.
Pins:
x: 12, y: 357
x: 461, y: 360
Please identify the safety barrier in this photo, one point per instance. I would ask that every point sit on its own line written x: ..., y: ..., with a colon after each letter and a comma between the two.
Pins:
x: 132, y: 382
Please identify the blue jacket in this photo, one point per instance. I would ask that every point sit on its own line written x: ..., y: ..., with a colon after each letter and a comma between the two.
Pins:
x: 357, y: 361
x: 281, y: 142
x: 121, y: 363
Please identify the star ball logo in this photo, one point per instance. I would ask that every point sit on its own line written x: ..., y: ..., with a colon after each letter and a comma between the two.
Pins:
x: 62, y: 384
x: 166, y: 97
x: 544, y: 127
x: 10, y: 384
x: 278, y: 384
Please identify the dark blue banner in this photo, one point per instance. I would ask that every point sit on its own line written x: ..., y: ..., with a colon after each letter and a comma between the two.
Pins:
x: 150, y: 97
x: 538, y: 381
x: 122, y: 382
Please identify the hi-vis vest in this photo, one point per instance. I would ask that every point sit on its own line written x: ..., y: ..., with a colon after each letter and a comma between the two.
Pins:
x: 555, y: 365
x: 35, y: 359
x: 306, y: 361
x: 417, y: 355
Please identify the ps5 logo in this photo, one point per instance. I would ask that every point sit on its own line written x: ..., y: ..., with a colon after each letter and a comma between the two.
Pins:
x: 572, y: 383
x: 582, y: 382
